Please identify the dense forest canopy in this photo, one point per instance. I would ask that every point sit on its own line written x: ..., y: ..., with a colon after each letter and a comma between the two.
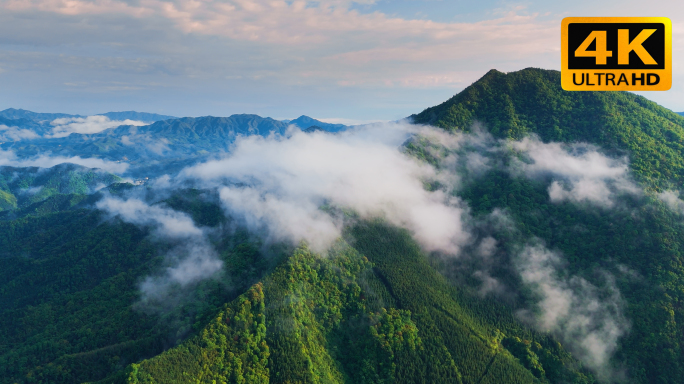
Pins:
x: 535, y: 235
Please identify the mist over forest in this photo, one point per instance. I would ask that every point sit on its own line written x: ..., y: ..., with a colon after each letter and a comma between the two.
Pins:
x: 514, y: 233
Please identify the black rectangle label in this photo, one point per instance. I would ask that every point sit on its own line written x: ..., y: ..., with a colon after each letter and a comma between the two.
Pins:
x: 633, y: 56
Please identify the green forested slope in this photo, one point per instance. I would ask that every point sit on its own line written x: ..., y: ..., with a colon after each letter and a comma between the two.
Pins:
x: 36, y: 190
x: 516, y: 104
x: 640, y: 234
x: 376, y: 308
x: 348, y: 318
x: 643, y: 237
x: 68, y: 284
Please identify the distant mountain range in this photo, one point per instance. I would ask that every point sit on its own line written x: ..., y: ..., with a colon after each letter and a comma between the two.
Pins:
x: 23, y: 117
x: 16, y: 114
x: 165, y: 145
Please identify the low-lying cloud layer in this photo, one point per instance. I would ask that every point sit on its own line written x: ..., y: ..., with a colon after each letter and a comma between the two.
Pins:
x: 9, y: 158
x: 307, y: 186
x: 16, y: 134
x: 279, y: 185
x: 87, y: 125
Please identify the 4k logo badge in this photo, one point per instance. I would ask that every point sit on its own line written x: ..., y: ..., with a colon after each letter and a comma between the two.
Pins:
x: 616, y: 54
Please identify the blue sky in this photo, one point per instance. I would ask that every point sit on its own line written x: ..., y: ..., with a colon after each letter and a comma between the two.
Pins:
x: 332, y: 59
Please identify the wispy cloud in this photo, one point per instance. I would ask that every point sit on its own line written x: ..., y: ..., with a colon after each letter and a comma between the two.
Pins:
x: 671, y: 198
x: 327, y: 44
x: 580, y: 171
x: 588, y: 319
x: 167, y: 222
x: 338, y: 56
x: 191, y: 260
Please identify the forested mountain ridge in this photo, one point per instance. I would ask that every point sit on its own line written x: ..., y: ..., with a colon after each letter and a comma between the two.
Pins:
x: 600, y: 243
x: 593, y: 237
x: 162, y: 147
x: 352, y: 319
x: 531, y: 101
x: 30, y: 187
x: 604, y: 253
x: 180, y: 137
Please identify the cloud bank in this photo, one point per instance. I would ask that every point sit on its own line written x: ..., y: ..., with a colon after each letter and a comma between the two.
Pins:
x: 87, y: 125
x: 16, y: 134
x: 306, y: 186
x: 280, y: 186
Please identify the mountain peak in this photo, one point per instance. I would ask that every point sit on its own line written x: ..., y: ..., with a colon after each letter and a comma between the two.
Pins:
x: 138, y: 116
x: 304, y: 122
x: 16, y: 114
x: 531, y: 101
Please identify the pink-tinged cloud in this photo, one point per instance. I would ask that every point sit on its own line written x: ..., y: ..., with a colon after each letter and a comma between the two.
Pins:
x: 296, y: 23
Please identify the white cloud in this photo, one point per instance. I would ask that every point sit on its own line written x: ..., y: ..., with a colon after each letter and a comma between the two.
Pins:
x: 16, y: 134
x: 367, y: 62
x: 147, y: 140
x: 191, y: 260
x: 87, y: 125
x: 169, y: 223
x: 32, y: 190
x: 157, y: 146
x: 589, y: 320
x: 283, y: 187
x: 580, y: 171
x: 672, y: 200
x: 341, y: 120
x: 586, y: 319
x: 279, y: 185
x: 45, y: 161
x: 125, y: 140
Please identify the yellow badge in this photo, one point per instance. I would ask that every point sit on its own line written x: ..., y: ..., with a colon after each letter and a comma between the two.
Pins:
x: 616, y: 54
